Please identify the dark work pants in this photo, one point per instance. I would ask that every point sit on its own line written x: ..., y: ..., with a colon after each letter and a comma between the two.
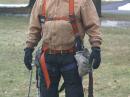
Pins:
x: 61, y: 65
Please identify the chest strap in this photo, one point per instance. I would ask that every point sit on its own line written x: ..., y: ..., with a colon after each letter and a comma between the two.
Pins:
x: 71, y: 18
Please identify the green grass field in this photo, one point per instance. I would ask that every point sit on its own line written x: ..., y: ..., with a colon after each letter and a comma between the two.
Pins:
x: 120, y: 17
x: 13, y: 1
x: 112, y: 79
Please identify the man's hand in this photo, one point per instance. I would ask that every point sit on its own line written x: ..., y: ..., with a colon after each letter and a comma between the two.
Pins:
x: 28, y: 58
x: 95, y: 57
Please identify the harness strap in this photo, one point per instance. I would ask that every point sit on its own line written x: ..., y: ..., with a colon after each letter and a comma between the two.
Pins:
x: 44, y: 68
x: 71, y: 7
x: 44, y: 8
x: 57, y: 18
x: 72, y: 17
x: 74, y: 25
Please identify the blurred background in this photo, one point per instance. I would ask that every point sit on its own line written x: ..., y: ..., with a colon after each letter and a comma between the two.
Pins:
x: 112, y: 79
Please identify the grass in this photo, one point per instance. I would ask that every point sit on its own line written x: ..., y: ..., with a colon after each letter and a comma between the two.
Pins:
x: 13, y: 76
x: 110, y: 80
x: 13, y: 1
x: 108, y: 2
x: 120, y: 17
x: 113, y: 78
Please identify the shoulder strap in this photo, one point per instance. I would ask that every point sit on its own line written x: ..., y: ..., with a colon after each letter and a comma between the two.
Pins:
x: 71, y: 7
x: 71, y: 15
x: 44, y: 8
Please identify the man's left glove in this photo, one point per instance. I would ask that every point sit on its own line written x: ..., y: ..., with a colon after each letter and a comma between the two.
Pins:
x: 95, y: 57
x: 28, y: 58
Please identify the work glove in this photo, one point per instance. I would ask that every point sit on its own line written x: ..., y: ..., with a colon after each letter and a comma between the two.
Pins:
x: 28, y: 58
x: 95, y: 57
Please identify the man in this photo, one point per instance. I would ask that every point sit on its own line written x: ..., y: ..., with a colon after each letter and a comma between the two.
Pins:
x: 58, y: 23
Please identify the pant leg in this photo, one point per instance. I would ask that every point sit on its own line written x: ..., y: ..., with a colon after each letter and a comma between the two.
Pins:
x: 73, y: 83
x: 54, y: 75
x: 72, y: 80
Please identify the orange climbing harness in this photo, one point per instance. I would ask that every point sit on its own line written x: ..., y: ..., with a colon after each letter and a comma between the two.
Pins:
x: 72, y: 20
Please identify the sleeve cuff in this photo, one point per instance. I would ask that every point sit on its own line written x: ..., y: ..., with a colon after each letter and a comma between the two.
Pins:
x: 30, y: 45
x: 96, y: 44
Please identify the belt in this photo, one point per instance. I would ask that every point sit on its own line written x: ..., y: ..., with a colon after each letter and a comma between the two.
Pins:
x: 50, y: 51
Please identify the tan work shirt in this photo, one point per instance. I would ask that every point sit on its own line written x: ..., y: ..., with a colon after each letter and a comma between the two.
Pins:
x: 58, y: 34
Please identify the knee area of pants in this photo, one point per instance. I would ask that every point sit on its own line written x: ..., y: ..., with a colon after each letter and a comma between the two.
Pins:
x: 73, y: 83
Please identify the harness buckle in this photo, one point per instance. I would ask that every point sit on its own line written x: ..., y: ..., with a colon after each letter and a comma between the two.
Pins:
x: 42, y: 19
x: 72, y: 18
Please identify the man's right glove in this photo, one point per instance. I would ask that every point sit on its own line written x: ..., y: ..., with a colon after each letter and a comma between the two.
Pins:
x: 28, y: 58
x: 95, y: 57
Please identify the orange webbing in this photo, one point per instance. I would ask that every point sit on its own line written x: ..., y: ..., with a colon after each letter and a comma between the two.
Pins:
x: 58, y: 18
x: 71, y: 14
x: 75, y: 28
x: 72, y: 17
x: 71, y: 7
x: 44, y: 8
x: 44, y: 69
